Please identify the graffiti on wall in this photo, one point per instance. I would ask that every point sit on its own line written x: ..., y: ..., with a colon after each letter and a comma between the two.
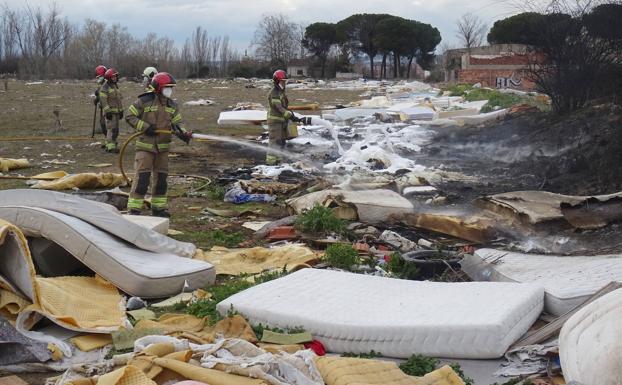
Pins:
x: 513, y: 81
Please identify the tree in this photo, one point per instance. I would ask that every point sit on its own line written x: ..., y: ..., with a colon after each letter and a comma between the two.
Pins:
x: 470, y: 31
x: 276, y: 39
x: 358, y: 32
x: 573, y: 64
x: 318, y: 39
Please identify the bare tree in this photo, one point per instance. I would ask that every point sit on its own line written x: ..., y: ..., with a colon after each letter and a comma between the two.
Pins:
x: 471, y: 30
x: 200, y: 49
x: 276, y: 39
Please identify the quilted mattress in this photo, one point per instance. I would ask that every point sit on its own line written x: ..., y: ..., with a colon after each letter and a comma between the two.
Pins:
x: 135, y: 271
x: 100, y: 215
x: 359, y: 313
x: 590, y: 343
x: 567, y: 281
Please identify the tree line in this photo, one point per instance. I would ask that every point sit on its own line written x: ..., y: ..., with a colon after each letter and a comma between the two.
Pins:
x: 374, y: 35
x: 37, y: 43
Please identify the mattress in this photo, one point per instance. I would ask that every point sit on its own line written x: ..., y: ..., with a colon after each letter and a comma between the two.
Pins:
x: 590, y: 343
x: 358, y: 313
x: 567, y: 281
x: 135, y: 271
x: 97, y: 214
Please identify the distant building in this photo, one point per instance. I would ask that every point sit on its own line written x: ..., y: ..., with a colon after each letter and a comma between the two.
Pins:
x: 495, y: 66
x: 299, y: 68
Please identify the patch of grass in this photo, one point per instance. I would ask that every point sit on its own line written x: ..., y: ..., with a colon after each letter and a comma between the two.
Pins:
x: 222, y: 291
x: 341, y: 256
x: 402, y: 269
x: 456, y: 368
x: 259, y: 329
x: 216, y: 192
x: 320, y: 220
x: 370, y: 355
x: 459, y: 89
x: 113, y: 352
x: 210, y: 238
x: 419, y: 365
x: 515, y: 381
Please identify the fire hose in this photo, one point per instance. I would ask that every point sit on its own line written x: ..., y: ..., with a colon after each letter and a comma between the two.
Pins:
x: 136, y: 135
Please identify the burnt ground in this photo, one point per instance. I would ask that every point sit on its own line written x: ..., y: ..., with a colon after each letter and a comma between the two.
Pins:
x: 579, y: 154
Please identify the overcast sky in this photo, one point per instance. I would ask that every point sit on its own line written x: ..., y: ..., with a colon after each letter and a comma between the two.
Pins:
x: 238, y: 18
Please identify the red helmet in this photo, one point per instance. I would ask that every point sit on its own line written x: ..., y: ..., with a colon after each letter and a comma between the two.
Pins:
x: 279, y: 75
x: 161, y: 80
x: 110, y: 72
x: 100, y: 70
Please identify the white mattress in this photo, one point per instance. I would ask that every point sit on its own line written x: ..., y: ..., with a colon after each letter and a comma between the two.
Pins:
x: 358, y: 313
x: 242, y: 117
x: 135, y: 271
x: 590, y: 343
x: 98, y: 214
x: 567, y: 281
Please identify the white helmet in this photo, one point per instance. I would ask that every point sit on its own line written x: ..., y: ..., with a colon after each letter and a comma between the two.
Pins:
x: 150, y: 72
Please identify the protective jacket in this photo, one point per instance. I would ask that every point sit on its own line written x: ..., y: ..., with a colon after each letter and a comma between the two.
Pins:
x: 158, y: 111
x: 278, y: 104
x: 110, y: 98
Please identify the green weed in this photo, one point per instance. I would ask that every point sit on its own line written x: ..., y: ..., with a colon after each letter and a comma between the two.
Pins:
x: 320, y: 220
x: 370, y: 355
x: 341, y: 256
x: 419, y: 365
x: 222, y: 291
x: 216, y: 192
x: 402, y: 269
x: 210, y: 238
x: 456, y: 368
x: 259, y: 329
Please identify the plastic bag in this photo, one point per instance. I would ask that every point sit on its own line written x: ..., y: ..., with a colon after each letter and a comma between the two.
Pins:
x: 236, y: 194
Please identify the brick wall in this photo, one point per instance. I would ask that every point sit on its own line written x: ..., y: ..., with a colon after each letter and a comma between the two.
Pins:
x: 500, y: 60
x: 495, y: 78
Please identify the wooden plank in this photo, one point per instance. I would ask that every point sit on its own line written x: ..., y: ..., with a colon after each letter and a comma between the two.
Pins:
x: 553, y: 328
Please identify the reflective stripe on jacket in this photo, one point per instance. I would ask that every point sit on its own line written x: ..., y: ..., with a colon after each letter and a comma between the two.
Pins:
x: 278, y: 104
x: 158, y: 111
x: 110, y: 98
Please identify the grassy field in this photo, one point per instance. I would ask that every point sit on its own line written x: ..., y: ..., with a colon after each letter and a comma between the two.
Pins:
x: 27, y: 111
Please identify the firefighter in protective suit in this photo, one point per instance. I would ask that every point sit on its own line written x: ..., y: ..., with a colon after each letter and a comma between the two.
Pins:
x: 148, y: 74
x: 278, y: 117
x: 100, y: 71
x: 112, y: 106
x: 154, y: 111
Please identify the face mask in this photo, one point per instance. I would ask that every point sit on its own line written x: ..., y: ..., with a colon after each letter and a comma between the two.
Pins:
x: 167, y: 91
x: 282, y: 84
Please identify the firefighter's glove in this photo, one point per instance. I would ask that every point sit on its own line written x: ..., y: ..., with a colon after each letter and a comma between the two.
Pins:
x: 109, y: 115
x: 121, y: 114
x: 150, y: 131
x: 185, y: 136
x: 294, y: 119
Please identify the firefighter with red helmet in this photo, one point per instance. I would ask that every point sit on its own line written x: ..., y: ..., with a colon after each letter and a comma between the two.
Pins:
x: 100, y: 71
x: 278, y: 116
x: 112, y: 106
x: 154, y: 111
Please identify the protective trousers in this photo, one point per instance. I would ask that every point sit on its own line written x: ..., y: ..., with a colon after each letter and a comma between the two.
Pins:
x: 277, y: 132
x: 146, y: 163
x: 102, y: 121
x: 112, y: 132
